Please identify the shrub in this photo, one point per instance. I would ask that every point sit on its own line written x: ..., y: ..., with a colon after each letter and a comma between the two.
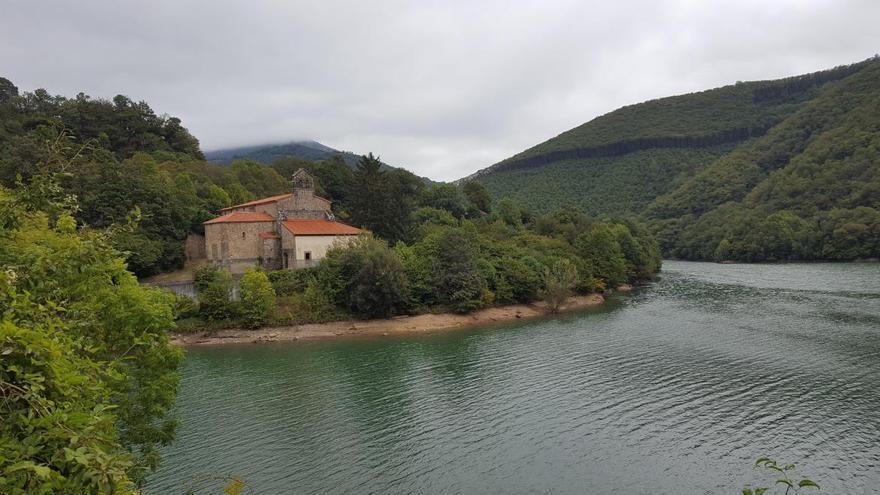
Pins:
x: 183, y: 307
x: 457, y: 279
x: 516, y: 280
x: 287, y: 282
x: 559, y: 279
x: 214, y: 286
x: 602, y: 255
x: 257, y: 299
x: 312, y: 305
x: 366, y: 277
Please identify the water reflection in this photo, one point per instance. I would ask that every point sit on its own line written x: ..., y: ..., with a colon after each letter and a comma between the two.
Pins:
x: 675, y: 388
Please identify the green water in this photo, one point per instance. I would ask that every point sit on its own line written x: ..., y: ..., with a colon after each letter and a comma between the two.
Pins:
x: 676, y: 388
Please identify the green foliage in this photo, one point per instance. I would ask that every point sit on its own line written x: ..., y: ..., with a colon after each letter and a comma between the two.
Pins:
x: 455, y: 276
x: 366, y: 278
x: 214, y: 286
x: 433, y: 216
x: 602, y: 255
x: 619, y: 185
x: 383, y: 201
x: 257, y: 299
x: 445, y: 197
x: 785, y: 479
x: 259, y: 180
x: 287, y: 282
x: 478, y: 196
x: 516, y: 279
x: 87, y: 372
x: 780, y: 170
x: 559, y: 279
x: 311, y: 305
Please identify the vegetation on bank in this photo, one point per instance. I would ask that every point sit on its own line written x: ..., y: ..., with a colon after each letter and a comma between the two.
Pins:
x: 807, y: 187
x: 88, y: 374
x: 452, y: 250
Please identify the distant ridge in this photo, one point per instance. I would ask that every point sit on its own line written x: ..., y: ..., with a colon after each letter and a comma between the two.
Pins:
x: 268, y: 153
x: 785, y: 169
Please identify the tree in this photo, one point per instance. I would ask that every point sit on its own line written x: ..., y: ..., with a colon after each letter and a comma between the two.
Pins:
x: 445, y: 197
x: 214, y: 286
x: 517, y: 280
x: 7, y: 90
x: 559, y: 279
x: 368, y: 195
x: 456, y: 278
x: 383, y: 201
x: 603, y: 258
x: 366, y: 277
x: 257, y: 298
x: 88, y: 374
x: 478, y: 196
x: 510, y: 212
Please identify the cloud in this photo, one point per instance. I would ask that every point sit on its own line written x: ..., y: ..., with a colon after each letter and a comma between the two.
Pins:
x: 443, y: 88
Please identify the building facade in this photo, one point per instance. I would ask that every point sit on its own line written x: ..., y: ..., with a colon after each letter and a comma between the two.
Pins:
x: 291, y: 230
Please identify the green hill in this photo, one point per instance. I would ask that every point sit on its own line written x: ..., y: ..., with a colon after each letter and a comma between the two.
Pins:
x: 268, y: 154
x: 710, y: 170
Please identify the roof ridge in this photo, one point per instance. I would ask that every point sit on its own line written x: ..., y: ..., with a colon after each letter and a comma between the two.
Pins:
x: 255, y: 202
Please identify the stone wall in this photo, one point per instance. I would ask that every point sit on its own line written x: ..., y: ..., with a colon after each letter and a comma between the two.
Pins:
x: 304, y: 204
x: 237, y: 245
x: 194, y: 247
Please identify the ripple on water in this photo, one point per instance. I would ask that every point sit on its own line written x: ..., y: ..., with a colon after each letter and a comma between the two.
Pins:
x: 675, y: 388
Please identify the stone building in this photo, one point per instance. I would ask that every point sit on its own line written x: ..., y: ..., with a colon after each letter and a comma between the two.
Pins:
x: 291, y: 230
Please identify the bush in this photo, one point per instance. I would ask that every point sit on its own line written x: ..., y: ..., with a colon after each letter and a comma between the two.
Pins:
x: 516, y: 280
x: 287, y: 282
x: 214, y: 286
x: 183, y: 307
x: 457, y: 279
x: 602, y: 255
x: 312, y: 305
x: 365, y: 277
x: 257, y: 299
x: 559, y: 279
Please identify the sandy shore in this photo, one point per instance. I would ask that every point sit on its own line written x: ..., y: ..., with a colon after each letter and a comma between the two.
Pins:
x: 394, y: 326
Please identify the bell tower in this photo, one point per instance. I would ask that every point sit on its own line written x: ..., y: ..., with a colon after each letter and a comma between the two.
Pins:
x: 303, y: 203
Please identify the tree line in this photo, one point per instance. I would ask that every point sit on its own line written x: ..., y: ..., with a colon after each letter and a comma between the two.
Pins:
x: 91, y: 190
x: 437, y: 248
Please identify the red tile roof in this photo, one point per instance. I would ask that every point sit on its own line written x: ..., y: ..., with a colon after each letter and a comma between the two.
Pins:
x: 270, y: 199
x: 269, y: 235
x: 241, y: 216
x: 319, y: 227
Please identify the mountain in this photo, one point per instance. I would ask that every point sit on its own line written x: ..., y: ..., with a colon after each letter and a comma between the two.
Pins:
x: 268, y: 153
x: 755, y: 171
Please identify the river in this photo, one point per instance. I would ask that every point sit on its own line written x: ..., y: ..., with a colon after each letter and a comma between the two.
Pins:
x: 675, y: 388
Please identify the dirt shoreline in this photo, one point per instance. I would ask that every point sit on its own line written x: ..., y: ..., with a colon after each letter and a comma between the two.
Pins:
x: 400, y: 325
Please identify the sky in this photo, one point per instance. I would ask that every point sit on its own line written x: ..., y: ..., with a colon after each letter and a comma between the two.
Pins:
x: 442, y: 88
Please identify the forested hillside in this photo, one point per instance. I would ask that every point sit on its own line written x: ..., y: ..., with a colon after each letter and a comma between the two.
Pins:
x: 269, y: 153
x: 770, y: 170
x: 141, y: 174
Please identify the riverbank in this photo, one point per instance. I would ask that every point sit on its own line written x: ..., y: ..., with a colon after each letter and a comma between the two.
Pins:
x: 400, y: 325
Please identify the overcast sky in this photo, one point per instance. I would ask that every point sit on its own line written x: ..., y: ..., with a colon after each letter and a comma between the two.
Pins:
x: 442, y: 88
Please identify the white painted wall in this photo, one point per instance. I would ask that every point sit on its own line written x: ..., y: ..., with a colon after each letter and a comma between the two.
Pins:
x: 318, y: 244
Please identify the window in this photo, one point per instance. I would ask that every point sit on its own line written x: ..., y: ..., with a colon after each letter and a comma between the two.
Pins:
x: 244, y: 235
x: 308, y: 255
